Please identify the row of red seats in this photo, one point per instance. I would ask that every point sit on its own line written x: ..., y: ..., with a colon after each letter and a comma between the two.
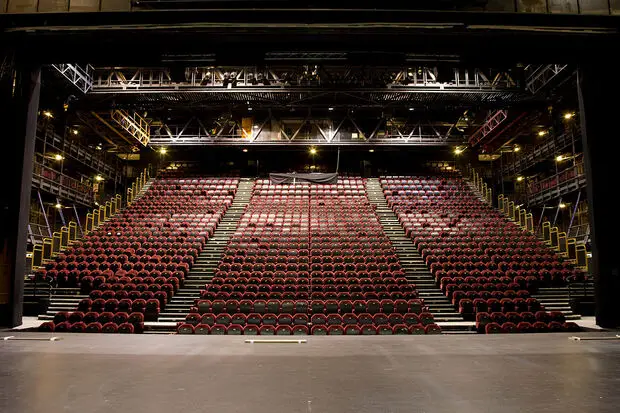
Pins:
x: 285, y: 330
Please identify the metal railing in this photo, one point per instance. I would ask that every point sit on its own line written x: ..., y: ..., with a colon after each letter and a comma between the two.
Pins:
x: 62, y: 239
x: 50, y: 180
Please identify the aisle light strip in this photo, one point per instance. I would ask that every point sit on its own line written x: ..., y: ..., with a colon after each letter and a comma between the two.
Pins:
x: 14, y: 338
x: 282, y: 341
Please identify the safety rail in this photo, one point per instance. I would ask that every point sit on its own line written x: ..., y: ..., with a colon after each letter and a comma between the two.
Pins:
x: 566, y: 247
x: 545, y: 150
x: 60, y: 240
x: 78, y: 152
x: 50, y: 180
x: 568, y: 180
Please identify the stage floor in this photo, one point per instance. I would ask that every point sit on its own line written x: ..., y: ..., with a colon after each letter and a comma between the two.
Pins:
x: 170, y: 373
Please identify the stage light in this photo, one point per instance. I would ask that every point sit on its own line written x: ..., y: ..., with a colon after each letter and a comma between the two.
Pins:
x: 559, y: 158
x: 542, y: 132
x: 163, y: 151
x: 516, y: 148
x: 458, y: 151
x: 58, y: 206
x: 568, y: 115
x: 312, y: 151
x: 48, y: 114
x: 371, y: 150
x: 98, y: 178
x: 519, y: 178
x: 562, y: 205
x: 59, y: 157
x: 245, y: 150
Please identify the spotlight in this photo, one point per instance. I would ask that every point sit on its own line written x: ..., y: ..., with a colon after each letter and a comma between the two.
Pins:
x: 48, y: 114
x: 568, y: 115
x: 330, y: 109
x: 163, y: 151
x: 99, y: 147
x: 250, y: 109
x: 59, y: 157
x: 562, y: 205
x: 58, y: 206
x: 542, y: 132
x: 458, y: 151
x: 312, y: 151
x: 371, y: 150
x: 245, y: 150
x: 98, y: 178
x: 516, y: 148
x: 412, y: 109
x: 559, y: 158
x: 75, y: 131
x: 519, y: 178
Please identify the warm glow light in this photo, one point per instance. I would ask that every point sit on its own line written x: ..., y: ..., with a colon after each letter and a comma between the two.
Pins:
x: 448, y: 168
x: 99, y: 147
x: 559, y: 158
x: 562, y: 205
x: 519, y: 178
x: 163, y: 151
x: 312, y: 151
x: 245, y: 149
x: 48, y: 114
x: 568, y: 116
x: 75, y: 131
x: 58, y: 206
x: 59, y: 157
x: 542, y: 133
x: 458, y: 151
x: 371, y: 150
x: 98, y: 178
x: 517, y: 148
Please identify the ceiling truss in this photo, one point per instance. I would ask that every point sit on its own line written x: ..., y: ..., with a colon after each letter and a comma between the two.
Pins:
x: 309, y: 130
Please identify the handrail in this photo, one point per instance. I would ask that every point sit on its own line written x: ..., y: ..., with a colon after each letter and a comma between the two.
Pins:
x: 566, y: 247
x: 68, y: 234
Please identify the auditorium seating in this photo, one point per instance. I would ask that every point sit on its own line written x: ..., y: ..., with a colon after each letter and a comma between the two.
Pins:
x: 483, y: 262
x: 309, y: 259
x: 133, y: 264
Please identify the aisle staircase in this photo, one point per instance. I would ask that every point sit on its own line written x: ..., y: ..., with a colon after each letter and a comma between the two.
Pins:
x: 416, y: 270
x: 206, y: 264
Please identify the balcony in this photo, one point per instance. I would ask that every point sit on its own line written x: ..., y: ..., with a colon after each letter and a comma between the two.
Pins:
x: 65, y: 187
x: 569, y: 180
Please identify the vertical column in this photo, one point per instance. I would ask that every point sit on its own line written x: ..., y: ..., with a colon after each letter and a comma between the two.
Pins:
x: 20, y: 118
x: 598, y: 94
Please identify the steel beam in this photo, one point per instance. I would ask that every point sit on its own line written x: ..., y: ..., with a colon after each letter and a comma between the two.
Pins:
x: 345, y: 131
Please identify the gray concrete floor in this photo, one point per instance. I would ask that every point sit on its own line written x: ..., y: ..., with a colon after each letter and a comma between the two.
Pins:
x: 456, y: 374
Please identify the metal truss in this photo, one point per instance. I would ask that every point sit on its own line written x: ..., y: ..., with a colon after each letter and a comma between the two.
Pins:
x: 493, y: 120
x: 300, y: 78
x: 80, y: 77
x: 344, y: 131
x: 538, y: 77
